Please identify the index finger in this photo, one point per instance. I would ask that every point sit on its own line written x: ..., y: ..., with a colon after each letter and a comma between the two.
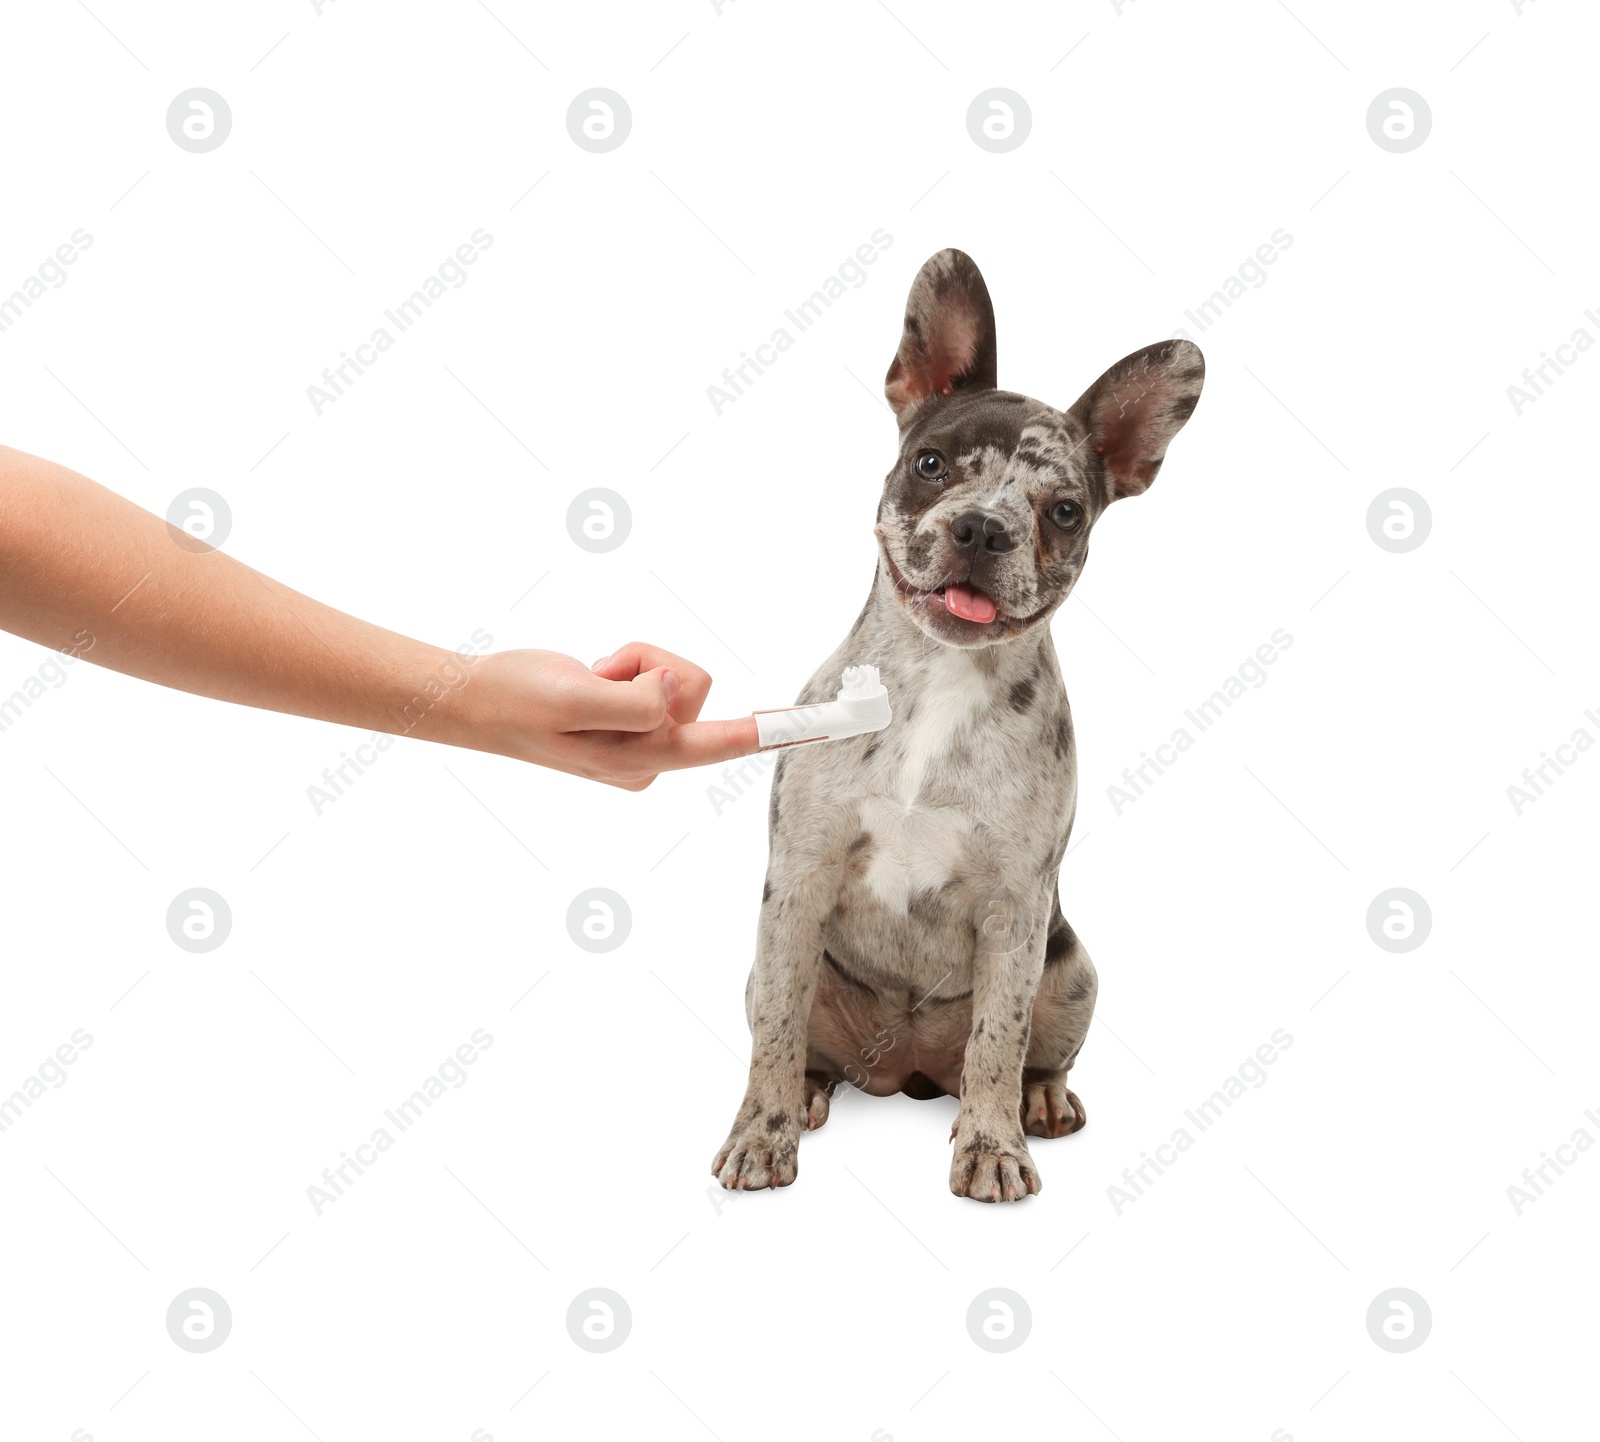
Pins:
x: 704, y: 743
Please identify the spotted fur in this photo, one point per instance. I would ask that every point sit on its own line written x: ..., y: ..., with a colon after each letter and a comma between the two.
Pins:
x: 911, y: 938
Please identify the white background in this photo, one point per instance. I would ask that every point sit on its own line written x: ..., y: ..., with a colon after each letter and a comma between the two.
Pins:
x: 1229, y: 1301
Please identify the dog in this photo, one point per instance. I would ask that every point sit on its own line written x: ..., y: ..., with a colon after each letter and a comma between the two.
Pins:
x: 911, y: 937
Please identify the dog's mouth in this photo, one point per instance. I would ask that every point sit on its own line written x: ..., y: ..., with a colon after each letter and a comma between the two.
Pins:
x: 961, y: 600
x: 969, y: 603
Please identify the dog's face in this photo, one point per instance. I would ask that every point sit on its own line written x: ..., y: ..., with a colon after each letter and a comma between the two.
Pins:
x: 985, y: 518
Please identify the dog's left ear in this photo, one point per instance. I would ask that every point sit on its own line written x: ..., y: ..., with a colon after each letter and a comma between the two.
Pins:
x: 948, y: 341
x: 1135, y: 409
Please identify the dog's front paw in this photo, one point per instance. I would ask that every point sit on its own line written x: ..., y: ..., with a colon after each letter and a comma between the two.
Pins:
x: 761, y: 1150
x: 991, y: 1166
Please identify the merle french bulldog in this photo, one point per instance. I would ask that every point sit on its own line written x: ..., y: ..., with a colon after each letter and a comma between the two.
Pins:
x: 911, y: 937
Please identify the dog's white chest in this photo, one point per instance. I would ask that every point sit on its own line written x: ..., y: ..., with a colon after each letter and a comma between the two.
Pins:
x: 917, y: 847
x: 913, y: 849
x: 950, y: 699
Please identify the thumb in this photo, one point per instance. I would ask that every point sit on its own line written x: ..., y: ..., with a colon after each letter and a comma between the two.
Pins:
x: 641, y: 704
x: 661, y: 686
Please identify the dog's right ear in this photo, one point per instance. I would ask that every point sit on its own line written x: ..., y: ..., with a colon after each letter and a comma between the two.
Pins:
x: 948, y: 342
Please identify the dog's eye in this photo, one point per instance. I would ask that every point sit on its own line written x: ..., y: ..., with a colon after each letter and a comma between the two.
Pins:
x: 930, y: 466
x: 1066, y: 514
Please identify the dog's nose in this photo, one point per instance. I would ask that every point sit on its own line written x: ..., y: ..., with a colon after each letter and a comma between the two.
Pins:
x: 968, y: 530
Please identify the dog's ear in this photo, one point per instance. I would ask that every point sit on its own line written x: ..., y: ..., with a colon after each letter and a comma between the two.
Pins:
x: 1135, y: 409
x: 948, y: 341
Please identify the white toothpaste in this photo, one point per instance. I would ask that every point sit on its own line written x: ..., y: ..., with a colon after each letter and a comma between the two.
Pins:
x: 862, y: 706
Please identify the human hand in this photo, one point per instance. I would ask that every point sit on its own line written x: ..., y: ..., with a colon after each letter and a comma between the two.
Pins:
x: 78, y: 560
x: 622, y: 721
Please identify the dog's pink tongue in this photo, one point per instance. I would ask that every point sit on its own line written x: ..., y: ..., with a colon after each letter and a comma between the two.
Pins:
x: 969, y: 604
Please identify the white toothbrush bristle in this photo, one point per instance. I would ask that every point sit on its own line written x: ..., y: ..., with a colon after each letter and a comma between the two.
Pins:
x: 860, y: 682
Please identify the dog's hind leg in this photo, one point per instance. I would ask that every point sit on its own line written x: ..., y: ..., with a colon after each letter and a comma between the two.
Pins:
x: 1061, y: 1014
x: 819, y: 1088
x: 1050, y: 1108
